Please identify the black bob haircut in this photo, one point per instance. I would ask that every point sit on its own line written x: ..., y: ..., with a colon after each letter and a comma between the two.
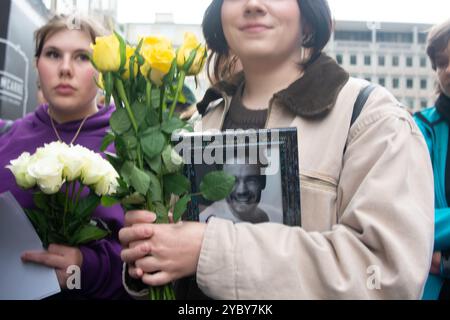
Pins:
x: 317, y: 24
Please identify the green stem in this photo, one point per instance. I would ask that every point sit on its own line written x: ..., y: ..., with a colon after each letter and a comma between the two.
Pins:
x: 148, y: 92
x: 162, y: 102
x: 177, y: 93
x: 65, y: 209
x: 123, y: 96
x: 78, y: 195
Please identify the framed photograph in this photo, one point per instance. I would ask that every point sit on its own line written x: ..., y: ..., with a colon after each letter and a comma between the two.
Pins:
x: 265, y: 165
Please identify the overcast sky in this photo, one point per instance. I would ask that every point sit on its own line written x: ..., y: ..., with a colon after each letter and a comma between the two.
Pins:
x: 191, y: 11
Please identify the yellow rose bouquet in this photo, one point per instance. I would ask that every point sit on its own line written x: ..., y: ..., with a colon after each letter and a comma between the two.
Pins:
x: 146, y: 84
x: 60, y: 173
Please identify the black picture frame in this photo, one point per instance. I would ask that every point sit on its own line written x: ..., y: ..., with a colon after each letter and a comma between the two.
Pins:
x: 278, y: 144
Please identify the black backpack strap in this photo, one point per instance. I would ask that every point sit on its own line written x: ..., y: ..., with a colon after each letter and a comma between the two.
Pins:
x: 361, y: 101
x: 6, y: 127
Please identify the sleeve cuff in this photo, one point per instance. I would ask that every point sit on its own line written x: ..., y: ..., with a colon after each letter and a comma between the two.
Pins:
x: 135, y: 288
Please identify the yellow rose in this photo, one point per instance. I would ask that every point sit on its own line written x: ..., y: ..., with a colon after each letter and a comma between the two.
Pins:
x: 191, y: 43
x: 158, y: 55
x: 106, y: 53
x: 126, y: 74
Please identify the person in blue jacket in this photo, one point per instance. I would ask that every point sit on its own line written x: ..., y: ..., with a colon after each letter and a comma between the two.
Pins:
x: 434, y: 124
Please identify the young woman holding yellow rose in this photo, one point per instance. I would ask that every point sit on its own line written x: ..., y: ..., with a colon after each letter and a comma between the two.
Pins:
x: 67, y: 80
x: 366, y: 190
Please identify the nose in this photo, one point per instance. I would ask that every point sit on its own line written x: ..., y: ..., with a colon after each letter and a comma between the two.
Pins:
x: 240, y: 187
x: 255, y: 7
x: 66, y: 67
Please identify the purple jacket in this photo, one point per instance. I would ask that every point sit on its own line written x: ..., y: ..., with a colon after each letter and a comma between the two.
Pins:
x: 102, y: 267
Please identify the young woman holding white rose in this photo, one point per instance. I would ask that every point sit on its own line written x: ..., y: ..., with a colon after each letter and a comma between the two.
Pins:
x: 66, y: 77
x: 366, y: 191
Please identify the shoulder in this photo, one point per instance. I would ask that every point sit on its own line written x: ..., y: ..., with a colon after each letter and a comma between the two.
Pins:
x: 428, y: 117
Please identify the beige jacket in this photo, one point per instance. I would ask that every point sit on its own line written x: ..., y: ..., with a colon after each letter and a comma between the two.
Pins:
x: 367, y: 215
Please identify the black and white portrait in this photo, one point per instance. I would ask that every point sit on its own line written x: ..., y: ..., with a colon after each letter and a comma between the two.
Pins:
x: 256, y: 196
x: 265, y: 168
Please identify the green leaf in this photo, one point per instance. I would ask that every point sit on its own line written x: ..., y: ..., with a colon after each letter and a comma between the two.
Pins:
x: 154, y: 163
x: 151, y: 117
x: 135, y: 198
x: 120, y: 123
x: 176, y: 183
x: 180, y: 207
x: 108, y: 82
x: 217, y: 185
x: 123, y: 52
x: 139, y: 180
x: 107, y: 140
x: 155, y: 187
x: 140, y: 111
x: 87, y: 234
x: 172, y: 160
x: 161, y: 213
x: 41, y: 200
x: 172, y: 124
x: 126, y: 171
x: 108, y: 201
x: 153, y: 144
x: 86, y: 207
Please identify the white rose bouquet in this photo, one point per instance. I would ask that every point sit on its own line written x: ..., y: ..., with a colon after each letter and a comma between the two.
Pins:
x: 59, y: 173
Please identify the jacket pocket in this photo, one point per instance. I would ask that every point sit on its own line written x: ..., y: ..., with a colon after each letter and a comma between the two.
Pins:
x: 318, y: 203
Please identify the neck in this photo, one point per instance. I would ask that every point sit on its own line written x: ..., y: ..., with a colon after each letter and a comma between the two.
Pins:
x: 63, y: 117
x: 262, y: 82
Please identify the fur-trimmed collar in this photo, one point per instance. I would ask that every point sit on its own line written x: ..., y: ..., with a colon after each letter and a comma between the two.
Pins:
x: 311, y: 96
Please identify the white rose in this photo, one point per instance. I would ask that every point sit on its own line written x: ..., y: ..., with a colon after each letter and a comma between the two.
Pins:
x: 73, y: 160
x: 48, y: 173
x: 53, y: 149
x: 108, y: 184
x: 19, y: 168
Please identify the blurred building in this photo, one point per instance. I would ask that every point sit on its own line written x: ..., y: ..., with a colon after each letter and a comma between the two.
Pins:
x: 390, y: 54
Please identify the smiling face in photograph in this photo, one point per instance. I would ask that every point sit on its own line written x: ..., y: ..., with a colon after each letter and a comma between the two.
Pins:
x: 246, y: 194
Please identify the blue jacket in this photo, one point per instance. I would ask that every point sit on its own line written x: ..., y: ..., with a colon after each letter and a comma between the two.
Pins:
x: 435, y: 130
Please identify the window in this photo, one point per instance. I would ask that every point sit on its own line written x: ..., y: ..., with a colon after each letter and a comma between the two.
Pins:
x: 395, y: 83
x: 409, y: 83
x: 382, y: 81
x: 423, y: 103
x: 353, y: 60
x: 423, y: 83
x: 409, y: 61
x: 395, y: 61
x: 368, y: 78
x: 344, y: 35
x: 339, y: 58
x: 381, y: 61
x: 409, y: 103
x: 423, y: 62
x: 367, y: 60
x: 402, y: 37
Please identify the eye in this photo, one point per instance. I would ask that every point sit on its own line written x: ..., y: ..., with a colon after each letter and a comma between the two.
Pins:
x: 52, y: 54
x: 83, y: 57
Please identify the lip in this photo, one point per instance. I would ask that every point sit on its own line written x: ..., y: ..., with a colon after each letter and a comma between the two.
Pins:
x: 64, y: 89
x: 254, y: 28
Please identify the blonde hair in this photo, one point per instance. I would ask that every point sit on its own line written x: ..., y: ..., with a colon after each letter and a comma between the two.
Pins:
x: 60, y: 22
x: 437, y: 41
